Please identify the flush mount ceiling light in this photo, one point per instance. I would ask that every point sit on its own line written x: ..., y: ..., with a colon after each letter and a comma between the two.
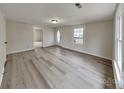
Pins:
x: 54, y: 21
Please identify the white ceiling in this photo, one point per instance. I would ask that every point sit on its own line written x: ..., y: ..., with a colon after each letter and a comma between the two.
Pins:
x: 65, y: 13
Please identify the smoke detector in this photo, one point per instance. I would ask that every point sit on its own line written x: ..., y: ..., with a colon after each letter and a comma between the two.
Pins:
x: 78, y: 5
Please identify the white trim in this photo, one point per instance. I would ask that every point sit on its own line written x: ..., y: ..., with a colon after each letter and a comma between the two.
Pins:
x: 86, y: 52
x: 19, y: 51
x: 117, y: 75
x: 1, y: 76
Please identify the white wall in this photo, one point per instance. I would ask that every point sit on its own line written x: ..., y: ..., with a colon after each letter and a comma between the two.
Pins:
x: 98, y: 39
x: 37, y: 35
x: 48, y: 36
x: 19, y: 37
x: 2, y: 45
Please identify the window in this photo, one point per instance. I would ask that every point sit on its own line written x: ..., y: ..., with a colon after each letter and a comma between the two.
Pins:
x: 78, y: 35
x: 58, y: 36
x: 119, y: 42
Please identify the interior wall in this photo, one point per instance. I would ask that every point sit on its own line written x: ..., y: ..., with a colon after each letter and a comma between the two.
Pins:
x: 37, y: 35
x: 19, y: 36
x: 98, y: 39
x: 123, y: 47
x: 48, y: 36
x: 2, y: 45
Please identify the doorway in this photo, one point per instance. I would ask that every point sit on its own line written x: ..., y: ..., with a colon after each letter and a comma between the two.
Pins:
x: 37, y: 37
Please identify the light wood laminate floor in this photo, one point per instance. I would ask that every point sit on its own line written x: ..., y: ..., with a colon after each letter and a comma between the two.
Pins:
x: 57, y: 68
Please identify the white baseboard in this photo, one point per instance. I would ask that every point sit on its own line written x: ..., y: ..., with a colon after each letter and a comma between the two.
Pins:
x: 12, y: 52
x: 86, y: 52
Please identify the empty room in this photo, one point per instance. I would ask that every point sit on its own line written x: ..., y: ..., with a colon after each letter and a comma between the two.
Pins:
x: 61, y: 45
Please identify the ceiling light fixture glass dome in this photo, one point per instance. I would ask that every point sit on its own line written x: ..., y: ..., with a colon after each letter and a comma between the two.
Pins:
x: 54, y: 21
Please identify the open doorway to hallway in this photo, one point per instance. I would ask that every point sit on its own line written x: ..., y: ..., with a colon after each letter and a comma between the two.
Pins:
x: 37, y: 37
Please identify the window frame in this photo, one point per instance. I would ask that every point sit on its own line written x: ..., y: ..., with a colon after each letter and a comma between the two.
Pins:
x: 80, y: 35
x: 118, y: 42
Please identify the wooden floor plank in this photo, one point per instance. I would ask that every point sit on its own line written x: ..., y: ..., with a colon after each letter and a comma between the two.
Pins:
x: 58, y: 68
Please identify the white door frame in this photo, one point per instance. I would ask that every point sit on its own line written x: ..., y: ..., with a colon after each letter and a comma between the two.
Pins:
x: 2, y: 45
